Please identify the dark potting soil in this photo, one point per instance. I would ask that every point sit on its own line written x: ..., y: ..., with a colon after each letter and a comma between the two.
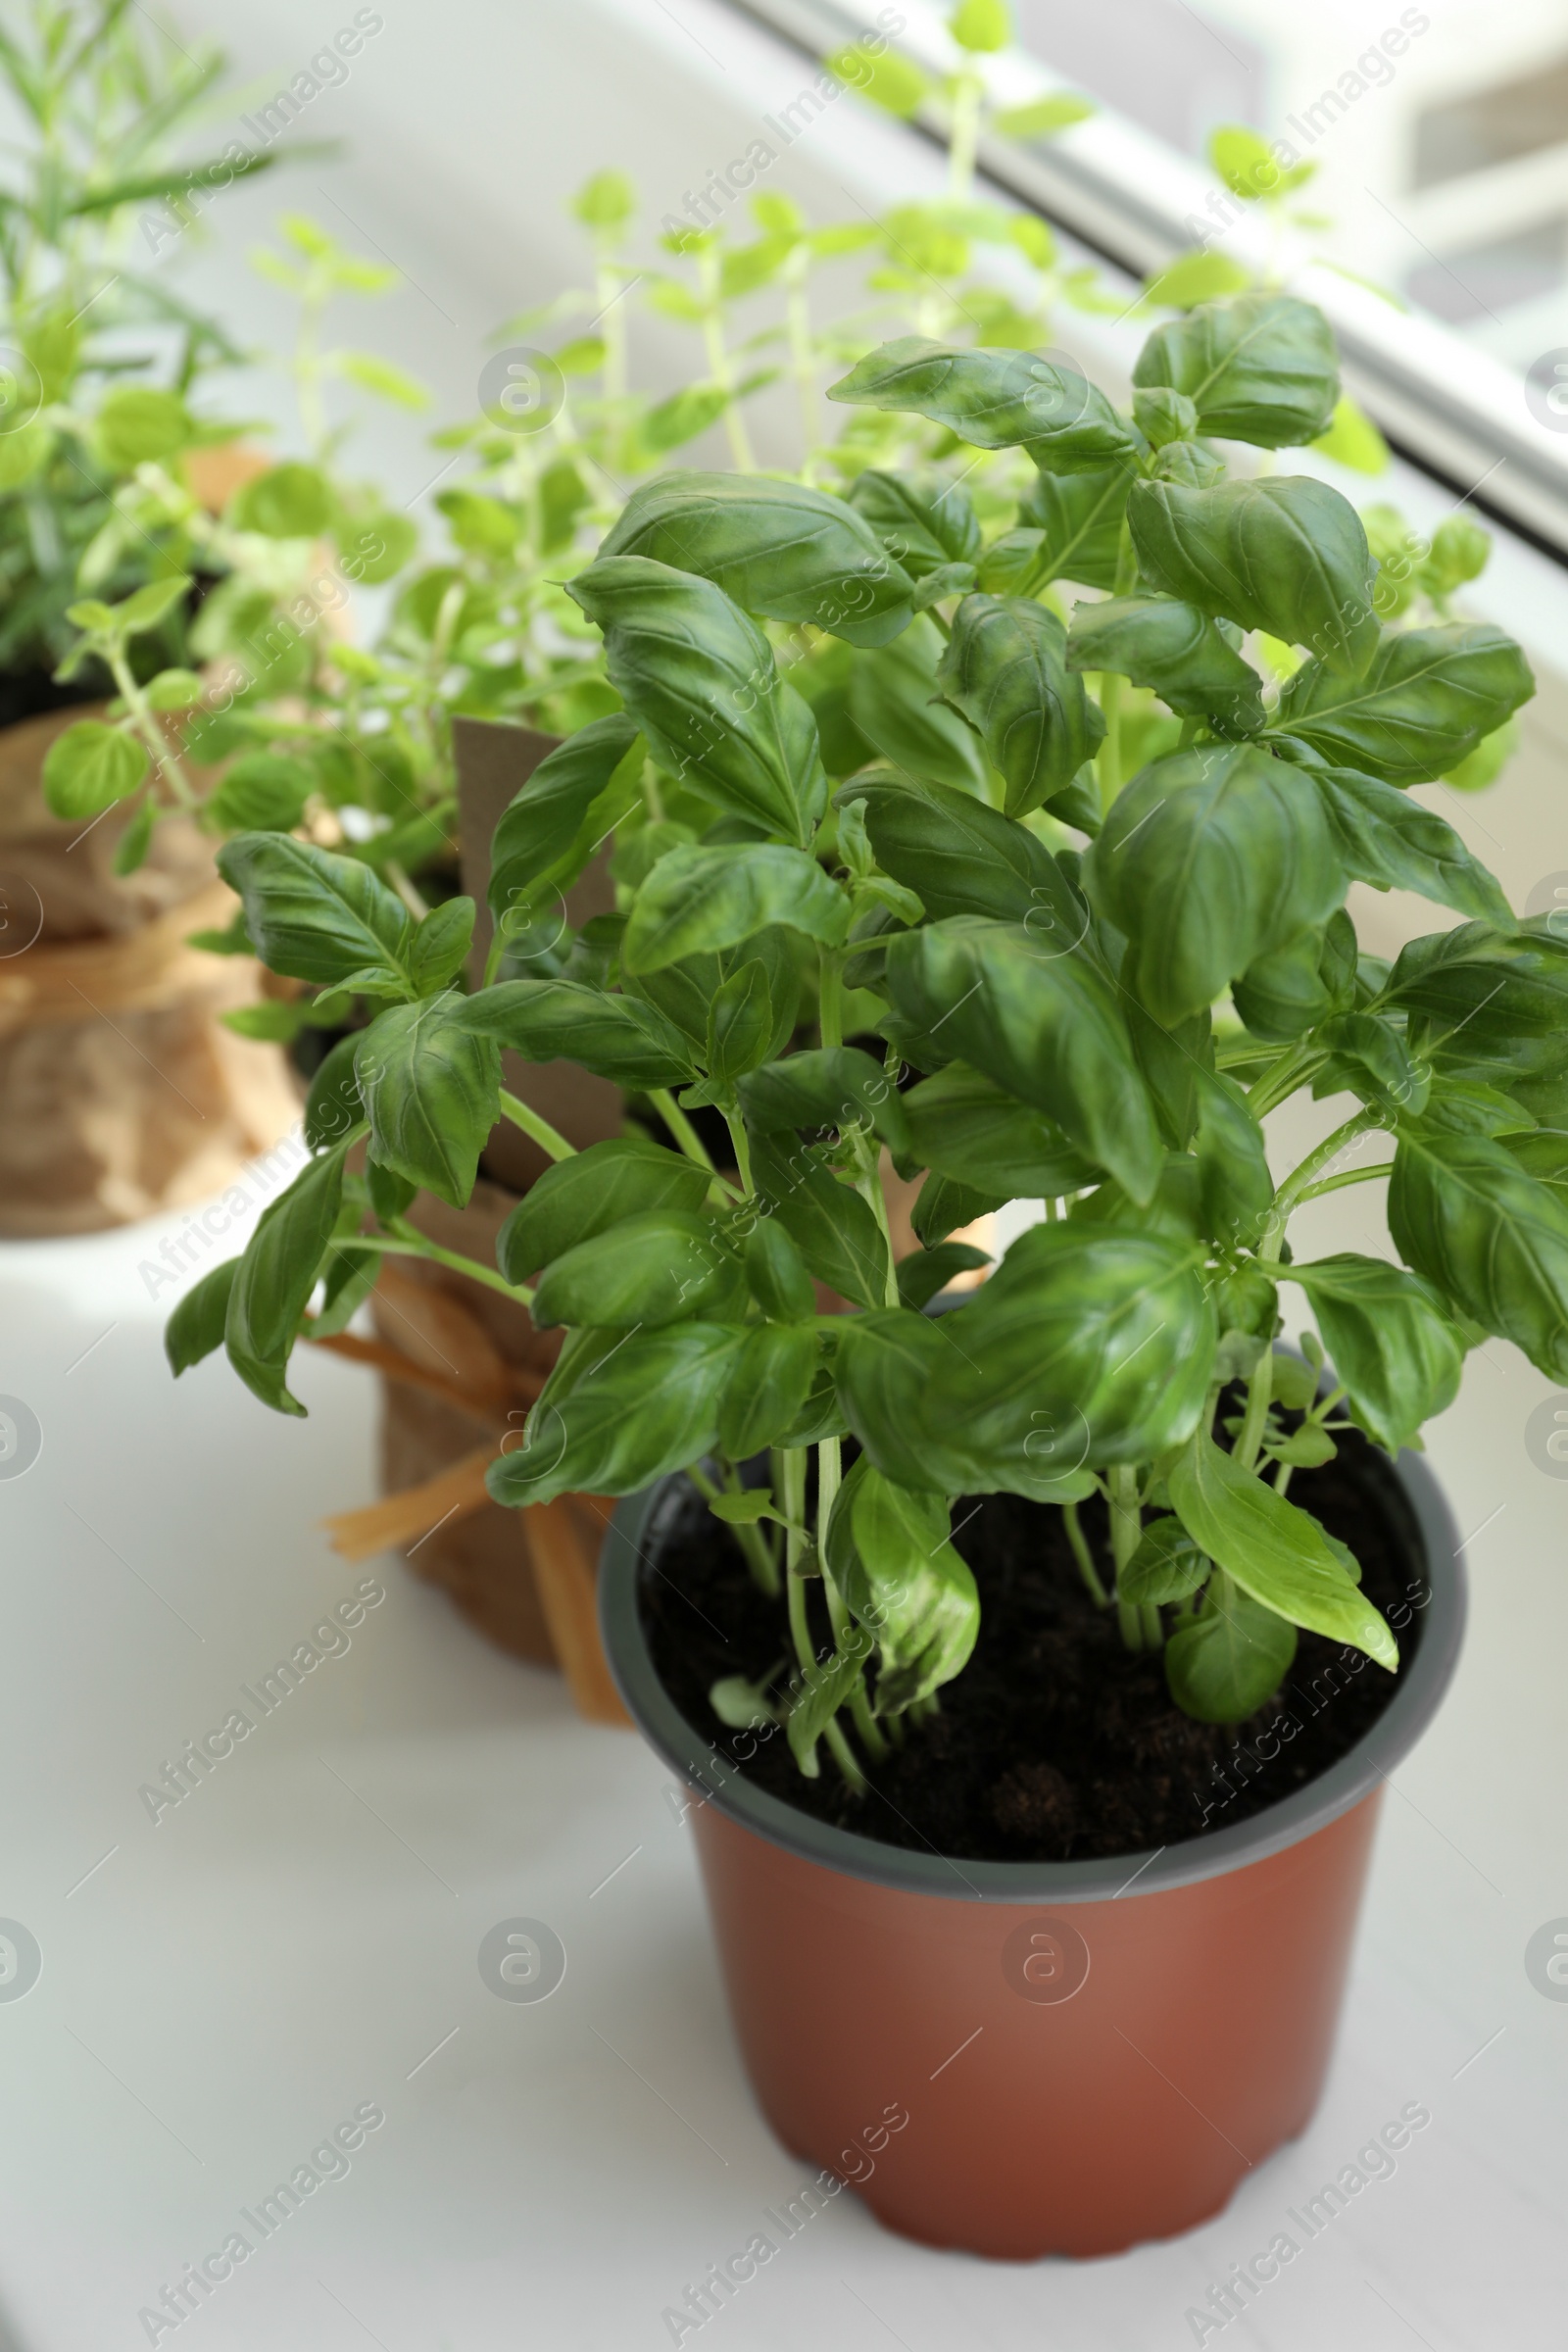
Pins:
x: 1055, y: 1743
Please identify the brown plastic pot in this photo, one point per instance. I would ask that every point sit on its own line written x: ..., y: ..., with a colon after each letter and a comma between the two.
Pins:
x: 1018, y: 2059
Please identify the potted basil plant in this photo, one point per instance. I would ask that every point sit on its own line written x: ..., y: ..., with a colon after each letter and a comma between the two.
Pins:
x: 1034, y: 1665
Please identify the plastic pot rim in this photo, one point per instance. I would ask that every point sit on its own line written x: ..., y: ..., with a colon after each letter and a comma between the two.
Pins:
x: 639, y: 1528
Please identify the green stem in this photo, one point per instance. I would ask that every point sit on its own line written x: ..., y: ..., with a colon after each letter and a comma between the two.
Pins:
x: 1288, y: 1073
x: 1084, y: 1557
x: 830, y: 998
x: 680, y: 1127
x: 829, y: 1475
x: 718, y: 368
x: 416, y: 1245
x: 1334, y: 1184
x: 743, y: 1149
x: 844, y: 1757
x: 165, y: 760
x: 544, y: 1134
x: 1126, y: 1531
x: 963, y: 135
x: 1301, y: 1176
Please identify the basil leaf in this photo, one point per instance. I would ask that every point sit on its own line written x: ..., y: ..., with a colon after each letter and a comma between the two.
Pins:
x: 909, y: 1588
x: 1492, y: 1239
x: 1086, y: 1346
x: 1389, y: 1340
x: 994, y: 400
x: 1206, y: 859
x: 740, y: 1025
x: 1476, y: 995
x: 1380, y: 1067
x: 548, y: 831
x: 697, y: 901
x: 1005, y: 668
x: 771, y: 1377
x: 1392, y: 842
x: 432, y: 1091
x: 775, y: 547
x: 777, y: 1274
x: 892, y: 707
x: 315, y: 915
x: 1273, y: 1549
x: 1167, y: 1566
x: 942, y: 1206
x: 1078, y: 518
x: 334, y: 1104
x: 1174, y: 649
x: 1283, y: 993
x: 834, y: 1230
x: 440, y: 945
x: 618, y: 1038
x: 1233, y: 1656
x: 697, y: 674
x: 580, y: 1198
x: 962, y: 857
x: 820, y: 1693
x: 925, y: 1273
x: 1261, y: 367
x: 90, y: 766
x: 665, y: 1266
x: 1285, y: 554
x: 1426, y: 700
x: 963, y: 1125
x: 1045, y: 1026
x: 1235, y: 1185
x: 684, y: 991
x: 833, y: 1086
x: 922, y: 518
x: 195, y: 1328
x: 648, y: 1406
x: 276, y: 1275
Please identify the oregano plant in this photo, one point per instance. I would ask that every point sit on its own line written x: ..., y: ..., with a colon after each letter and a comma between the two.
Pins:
x: 1042, y: 897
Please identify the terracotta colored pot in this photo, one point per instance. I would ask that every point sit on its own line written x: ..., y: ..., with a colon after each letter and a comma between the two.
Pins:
x: 1020, y: 2059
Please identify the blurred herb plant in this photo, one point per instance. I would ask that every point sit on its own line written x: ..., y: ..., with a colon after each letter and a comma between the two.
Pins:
x: 1101, y: 969
x: 100, y: 352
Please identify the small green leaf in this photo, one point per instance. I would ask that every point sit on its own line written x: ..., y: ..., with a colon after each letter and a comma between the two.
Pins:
x: 1166, y: 1567
x: 313, y: 915
x: 909, y: 1588
x: 1158, y: 641
x: 834, y: 1230
x: 550, y: 829
x: 773, y: 1376
x: 1284, y: 554
x: 1260, y: 368
x: 1274, y: 1550
x: 579, y: 1198
x: 698, y: 901
x: 195, y: 1328
x: 1233, y: 1657
x: 89, y: 767
x: 777, y: 1274
x: 1005, y: 667
x: 1427, y: 699
x: 892, y: 82
x: 698, y: 676
x: 994, y: 400
x: 431, y: 1089
x: 831, y: 1085
x: 262, y: 792
x: 276, y: 1275
x: 777, y: 548
x: 618, y: 1038
x: 647, y: 1407
x: 665, y: 1266
x: 287, y: 502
